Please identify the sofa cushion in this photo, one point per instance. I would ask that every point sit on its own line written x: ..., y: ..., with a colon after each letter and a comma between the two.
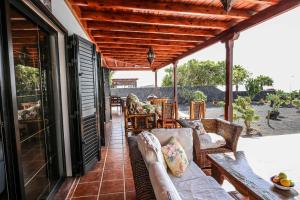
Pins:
x: 162, y: 185
x: 211, y: 140
x: 150, y: 148
x: 202, y: 188
x: 183, y: 135
x: 175, y: 157
x: 191, y: 172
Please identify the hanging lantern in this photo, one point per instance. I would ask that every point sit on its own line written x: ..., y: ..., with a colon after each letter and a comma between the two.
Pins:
x: 227, y: 4
x: 150, y: 56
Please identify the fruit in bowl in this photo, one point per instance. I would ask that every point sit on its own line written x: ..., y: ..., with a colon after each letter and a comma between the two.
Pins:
x: 281, y: 181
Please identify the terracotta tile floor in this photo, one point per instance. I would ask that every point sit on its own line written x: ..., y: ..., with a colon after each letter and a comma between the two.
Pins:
x: 111, y: 178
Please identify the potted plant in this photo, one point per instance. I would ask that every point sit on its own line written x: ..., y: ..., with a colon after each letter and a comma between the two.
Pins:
x: 275, y: 103
x: 296, y: 104
x: 242, y: 109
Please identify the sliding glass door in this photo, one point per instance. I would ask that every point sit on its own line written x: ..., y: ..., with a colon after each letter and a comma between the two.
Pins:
x: 35, y: 103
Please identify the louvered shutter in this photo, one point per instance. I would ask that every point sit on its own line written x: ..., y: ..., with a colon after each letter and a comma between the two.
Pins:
x: 101, y: 98
x: 84, y: 109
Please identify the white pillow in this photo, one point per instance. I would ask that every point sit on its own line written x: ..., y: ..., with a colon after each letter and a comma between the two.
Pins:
x: 211, y: 140
x: 150, y: 148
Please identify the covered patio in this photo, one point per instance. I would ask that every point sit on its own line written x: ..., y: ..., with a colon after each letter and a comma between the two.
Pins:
x: 112, y: 178
x: 138, y: 36
x: 124, y: 32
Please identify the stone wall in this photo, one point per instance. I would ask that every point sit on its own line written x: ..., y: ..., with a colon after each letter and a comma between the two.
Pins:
x: 211, y: 92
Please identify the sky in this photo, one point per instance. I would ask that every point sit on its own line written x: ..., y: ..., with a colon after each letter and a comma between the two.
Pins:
x: 271, y: 48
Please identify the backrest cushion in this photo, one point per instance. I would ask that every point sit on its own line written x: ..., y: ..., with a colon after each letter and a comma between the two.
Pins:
x: 183, y: 135
x: 163, y: 187
x: 150, y: 148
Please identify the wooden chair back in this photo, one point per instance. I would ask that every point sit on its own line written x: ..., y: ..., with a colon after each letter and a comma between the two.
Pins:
x: 159, y: 101
x: 169, y: 115
x: 197, y: 109
x: 137, y: 123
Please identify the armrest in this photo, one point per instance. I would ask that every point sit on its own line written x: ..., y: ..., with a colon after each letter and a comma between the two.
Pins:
x: 162, y: 185
x: 210, y: 125
x: 230, y: 131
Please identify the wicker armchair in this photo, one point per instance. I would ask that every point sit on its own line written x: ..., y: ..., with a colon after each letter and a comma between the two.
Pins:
x: 228, y: 130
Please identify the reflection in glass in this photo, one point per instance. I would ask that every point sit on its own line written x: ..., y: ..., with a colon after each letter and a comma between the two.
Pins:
x: 32, y: 62
x: 3, y: 192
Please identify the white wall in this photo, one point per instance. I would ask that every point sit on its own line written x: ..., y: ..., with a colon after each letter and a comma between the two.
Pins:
x: 65, y: 16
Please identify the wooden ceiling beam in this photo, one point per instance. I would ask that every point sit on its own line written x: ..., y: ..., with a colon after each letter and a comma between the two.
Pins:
x: 151, y: 36
x: 170, y: 7
x: 141, y: 18
x: 143, y: 42
x: 143, y: 51
x: 130, y: 27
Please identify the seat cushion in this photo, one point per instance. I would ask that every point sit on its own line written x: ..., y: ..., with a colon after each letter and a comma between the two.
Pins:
x: 202, y: 188
x: 175, y: 157
x: 191, y: 172
x: 150, y: 148
x: 183, y: 135
x: 211, y: 140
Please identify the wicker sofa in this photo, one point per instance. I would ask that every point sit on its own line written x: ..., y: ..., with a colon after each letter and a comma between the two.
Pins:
x: 230, y: 131
x: 153, y: 181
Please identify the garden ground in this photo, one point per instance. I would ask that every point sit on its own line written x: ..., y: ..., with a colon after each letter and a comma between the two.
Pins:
x: 288, y: 122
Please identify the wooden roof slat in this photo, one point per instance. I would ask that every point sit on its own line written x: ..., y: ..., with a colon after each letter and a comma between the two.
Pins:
x: 150, y: 36
x: 136, y: 46
x: 153, y: 19
x: 126, y: 68
x: 171, y: 7
x: 143, y: 42
x: 129, y: 27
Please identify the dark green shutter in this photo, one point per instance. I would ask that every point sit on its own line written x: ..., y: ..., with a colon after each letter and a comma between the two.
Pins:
x: 84, y: 100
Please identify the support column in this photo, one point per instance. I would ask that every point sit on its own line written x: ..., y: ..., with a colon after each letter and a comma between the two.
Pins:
x: 155, y: 90
x: 175, y: 81
x: 175, y: 89
x: 229, y: 43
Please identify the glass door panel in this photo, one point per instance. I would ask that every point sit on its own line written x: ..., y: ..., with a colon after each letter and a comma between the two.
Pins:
x: 37, y: 126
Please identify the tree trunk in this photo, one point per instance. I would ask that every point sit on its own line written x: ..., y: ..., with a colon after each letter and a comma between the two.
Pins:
x: 248, y: 127
x: 236, y: 89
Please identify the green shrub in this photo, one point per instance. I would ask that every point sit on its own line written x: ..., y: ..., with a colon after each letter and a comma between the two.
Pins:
x: 199, y: 96
x: 296, y: 103
x: 276, y: 100
x: 242, y: 109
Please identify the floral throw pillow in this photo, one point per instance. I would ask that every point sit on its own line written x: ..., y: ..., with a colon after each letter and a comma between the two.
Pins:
x: 175, y: 157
